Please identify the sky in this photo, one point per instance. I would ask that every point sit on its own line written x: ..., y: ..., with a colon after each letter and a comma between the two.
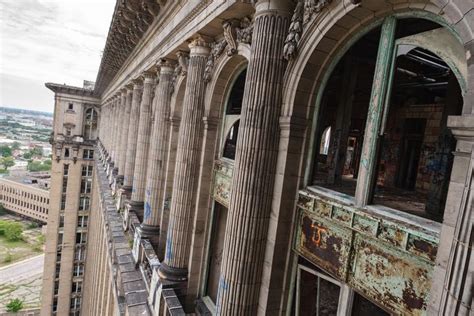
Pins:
x: 41, y: 41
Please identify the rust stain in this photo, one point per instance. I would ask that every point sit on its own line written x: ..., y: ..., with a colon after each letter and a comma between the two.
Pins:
x: 423, y: 247
x: 411, y: 299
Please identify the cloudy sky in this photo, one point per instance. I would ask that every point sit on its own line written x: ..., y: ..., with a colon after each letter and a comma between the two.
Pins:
x: 42, y: 41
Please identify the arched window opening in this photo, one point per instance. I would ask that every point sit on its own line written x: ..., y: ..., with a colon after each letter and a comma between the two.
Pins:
x: 232, y: 116
x: 90, y: 124
x: 413, y: 157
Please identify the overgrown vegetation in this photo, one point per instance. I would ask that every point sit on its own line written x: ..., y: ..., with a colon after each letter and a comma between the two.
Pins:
x: 15, y: 305
x: 11, y: 230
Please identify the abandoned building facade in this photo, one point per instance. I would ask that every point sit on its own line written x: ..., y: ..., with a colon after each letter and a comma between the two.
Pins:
x: 270, y: 157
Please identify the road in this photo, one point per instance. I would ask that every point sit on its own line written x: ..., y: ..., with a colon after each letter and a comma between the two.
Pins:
x: 22, y: 270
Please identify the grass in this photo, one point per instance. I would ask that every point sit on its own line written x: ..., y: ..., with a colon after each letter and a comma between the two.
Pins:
x: 30, y: 245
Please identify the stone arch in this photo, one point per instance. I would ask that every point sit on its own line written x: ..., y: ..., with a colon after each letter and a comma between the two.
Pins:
x: 321, y: 44
x: 324, y: 42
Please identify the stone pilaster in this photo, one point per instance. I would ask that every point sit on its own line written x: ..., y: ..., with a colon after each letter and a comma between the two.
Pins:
x: 184, y: 190
x: 132, y: 135
x: 143, y: 140
x: 157, y: 155
x: 255, y: 164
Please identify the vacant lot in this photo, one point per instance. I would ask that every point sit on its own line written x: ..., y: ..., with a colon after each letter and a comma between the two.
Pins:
x: 30, y: 244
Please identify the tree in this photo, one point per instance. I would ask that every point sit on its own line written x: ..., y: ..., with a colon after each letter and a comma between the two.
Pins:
x: 15, y: 145
x: 7, y: 162
x: 11, y: 230
x: 15, y: 305
x: 5, y: 151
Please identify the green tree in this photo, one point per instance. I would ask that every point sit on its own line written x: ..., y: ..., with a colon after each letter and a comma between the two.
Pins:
x: 16, y: 145
x: 5, y: 151
x: 15, y: 305
x: 12, y: 231
x: 7, y: 162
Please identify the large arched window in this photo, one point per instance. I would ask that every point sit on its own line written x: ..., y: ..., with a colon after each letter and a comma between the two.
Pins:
x: 90, y: 124
x: 386, y: 111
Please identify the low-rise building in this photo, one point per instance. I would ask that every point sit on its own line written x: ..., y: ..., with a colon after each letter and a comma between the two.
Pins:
x: 25, y: 196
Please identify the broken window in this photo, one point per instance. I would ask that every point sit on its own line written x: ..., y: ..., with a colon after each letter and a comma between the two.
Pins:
x: 215, y: 250
x: 316, y: 293
x: 232, y: 116
x: 415, y: 147
x: 408, y: 147
x: 342, y: 117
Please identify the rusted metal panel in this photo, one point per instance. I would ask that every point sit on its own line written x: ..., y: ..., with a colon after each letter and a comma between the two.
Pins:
x: 389, y: 260
x: 223, y: 171
x: 325, y: 244
x: 393, y: 278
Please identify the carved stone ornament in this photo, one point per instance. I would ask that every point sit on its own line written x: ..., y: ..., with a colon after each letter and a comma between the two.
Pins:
x: 304, y: 12
x: 230, y: 37
x: 244, y: 32
x: 217, y: 48
x: 180, y: 69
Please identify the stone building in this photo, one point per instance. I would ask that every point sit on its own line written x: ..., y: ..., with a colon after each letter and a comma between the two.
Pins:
x: 269, y: 157
x: 25, y: 197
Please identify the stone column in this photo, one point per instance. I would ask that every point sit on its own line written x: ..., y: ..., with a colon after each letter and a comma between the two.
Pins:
x: 184, y: 190
x: 157, y: 154
x: 255, y: 164
x: 143, y: 141
x: 132, y: 136
x: 127, y: 95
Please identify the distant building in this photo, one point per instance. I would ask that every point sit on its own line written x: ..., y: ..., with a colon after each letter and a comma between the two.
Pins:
x: 25, y: 196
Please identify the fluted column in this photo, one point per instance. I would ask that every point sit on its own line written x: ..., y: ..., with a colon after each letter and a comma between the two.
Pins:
x: 255, y: 164
x: 120, y: 127
x: 127, y: 96
x: 132, y: 135
x: 157, y: 154
x: 184, y: 190
x: 143, y: 140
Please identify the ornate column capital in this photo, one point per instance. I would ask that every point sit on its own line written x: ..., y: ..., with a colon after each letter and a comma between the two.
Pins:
x: 199, y: 46
x: 148, y: 76
x: 137, y: 83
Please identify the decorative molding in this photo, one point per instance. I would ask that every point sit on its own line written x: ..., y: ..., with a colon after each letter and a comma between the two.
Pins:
x: 217, y: 48
x: 244, y: 32
x: 305, y: 11
x: 235, y: 32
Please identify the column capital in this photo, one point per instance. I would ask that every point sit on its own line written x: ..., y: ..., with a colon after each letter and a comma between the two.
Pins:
x: 199, y: 45
x: 148, y: 76
x: 137, y: 83
x: 281, y: 7
x: 165, y: 65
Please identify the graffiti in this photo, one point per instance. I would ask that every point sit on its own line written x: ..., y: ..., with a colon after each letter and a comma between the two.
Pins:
x: 147, y: 213
x: 317, y: 233
x: 223, y: 286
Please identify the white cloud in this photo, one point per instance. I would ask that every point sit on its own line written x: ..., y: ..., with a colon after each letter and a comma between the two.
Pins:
x: 50, y: 41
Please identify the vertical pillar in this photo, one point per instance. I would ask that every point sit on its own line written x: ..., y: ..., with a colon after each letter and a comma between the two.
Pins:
x: 132, y: 136
x: 184, y: 190
x: 255, y: 164
x: 127, y: 95
x: 376, y: 109
x: 157, y: 154
x: 143, y: 141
